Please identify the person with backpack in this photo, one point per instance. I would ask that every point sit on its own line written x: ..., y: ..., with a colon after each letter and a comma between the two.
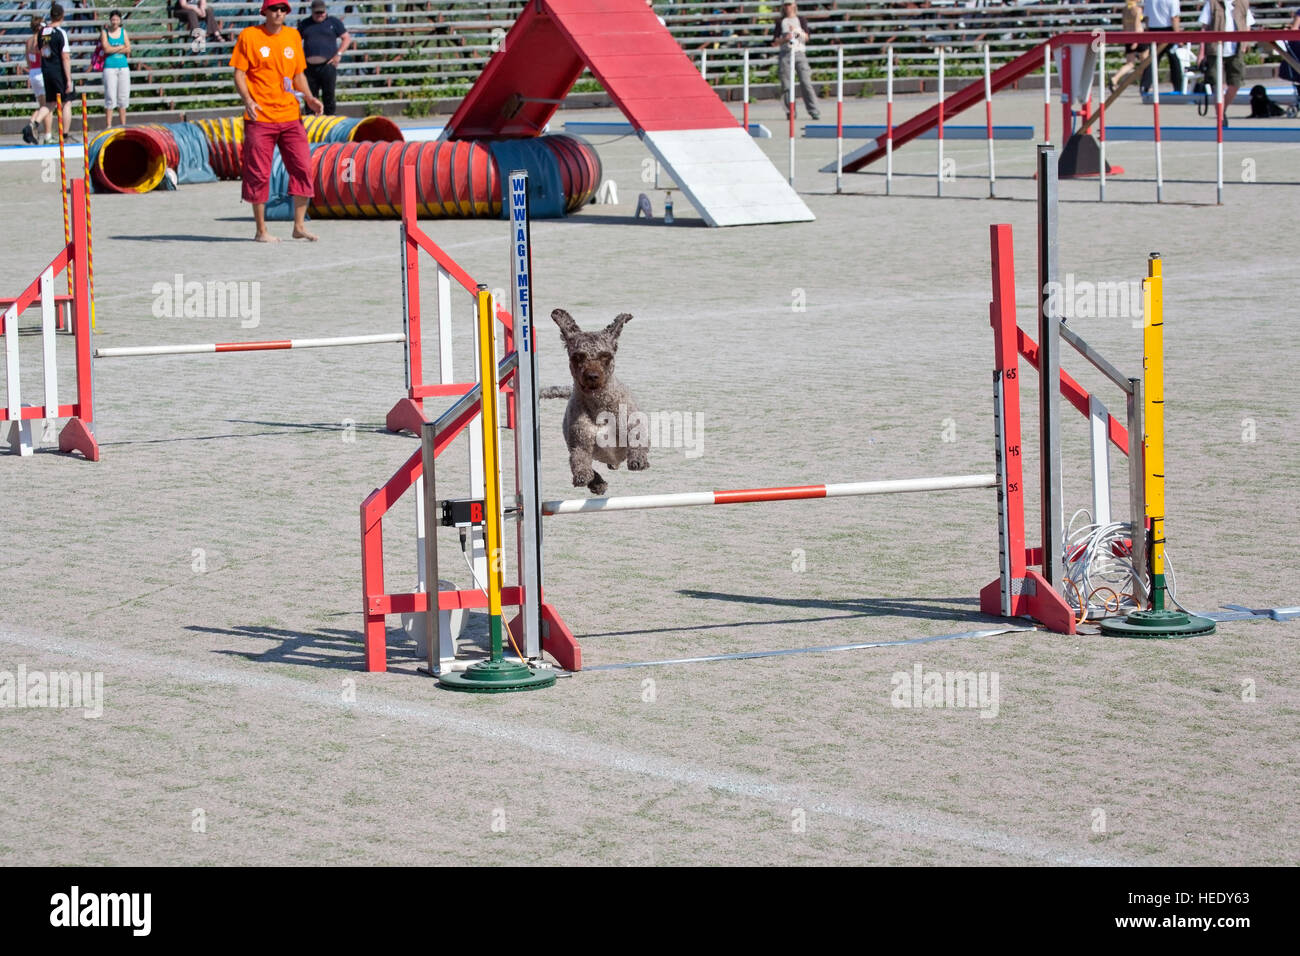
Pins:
x: 36, y: 80
x: 1226, y: 16
x: 114, y: 48
x: 56, y: 65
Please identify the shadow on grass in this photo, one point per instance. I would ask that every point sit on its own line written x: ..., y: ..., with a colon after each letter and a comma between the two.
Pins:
x: 938, y: 609
x: 181, y: 237
x: 327, y: 647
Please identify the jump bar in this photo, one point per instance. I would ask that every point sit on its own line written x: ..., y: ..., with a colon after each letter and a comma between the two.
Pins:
x: 1205, y: 134
x: 571, y: 506
x: 137, y: 350
x: 950, y: 131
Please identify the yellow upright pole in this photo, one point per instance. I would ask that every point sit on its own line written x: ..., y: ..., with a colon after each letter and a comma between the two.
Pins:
x: 495, y: 674
x: 1153, y: 389
x: 1158, y: 621
x: 491, y: 467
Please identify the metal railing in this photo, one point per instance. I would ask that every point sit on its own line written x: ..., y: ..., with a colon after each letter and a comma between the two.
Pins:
x: 412, y: 55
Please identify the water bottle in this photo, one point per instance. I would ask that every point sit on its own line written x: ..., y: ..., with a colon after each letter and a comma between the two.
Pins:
x: 668, y: 210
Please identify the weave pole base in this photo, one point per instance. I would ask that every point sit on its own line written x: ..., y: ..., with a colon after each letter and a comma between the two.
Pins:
x: 406, y: 416
x: 1082, y: 157
x: 76, y: 436
x: 496, y: 677
x: 1157, y: 624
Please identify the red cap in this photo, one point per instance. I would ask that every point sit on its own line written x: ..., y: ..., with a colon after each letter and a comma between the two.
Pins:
x: 268, y: 4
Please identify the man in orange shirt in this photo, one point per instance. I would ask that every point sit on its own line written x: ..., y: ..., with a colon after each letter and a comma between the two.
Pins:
x: 269, y: 65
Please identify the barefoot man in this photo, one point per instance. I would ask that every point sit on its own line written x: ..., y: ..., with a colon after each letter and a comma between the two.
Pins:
x: 269, y: 65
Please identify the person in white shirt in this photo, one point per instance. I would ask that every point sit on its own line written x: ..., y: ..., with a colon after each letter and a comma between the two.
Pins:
x: 790, y: 35
x: 1163, y: 15
x: 1231, y: 16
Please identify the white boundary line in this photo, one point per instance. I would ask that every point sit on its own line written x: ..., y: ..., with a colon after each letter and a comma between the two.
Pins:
x: 932, y: 827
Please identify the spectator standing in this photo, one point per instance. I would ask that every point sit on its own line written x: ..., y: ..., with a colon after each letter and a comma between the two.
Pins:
x: 116, y: 45
x: 269, y: 64
x: 1285, y: 70
x: 1230, y: 16
x: 325, y: 39
x: 1130, y: 22
x: 1163, y: 15
x: 56, y: 65
x: 36, y: 80
x: 790, y: 34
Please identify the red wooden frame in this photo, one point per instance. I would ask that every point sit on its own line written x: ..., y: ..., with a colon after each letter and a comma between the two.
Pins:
x: 74, y: 257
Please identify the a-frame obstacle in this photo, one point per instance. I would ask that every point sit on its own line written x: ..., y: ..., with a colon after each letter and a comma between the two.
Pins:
x: 683, y: 123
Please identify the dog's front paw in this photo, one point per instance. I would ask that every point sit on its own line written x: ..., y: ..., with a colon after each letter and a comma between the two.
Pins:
x: 584, y: 477
x: 597, y: 484
x: 638, y: 459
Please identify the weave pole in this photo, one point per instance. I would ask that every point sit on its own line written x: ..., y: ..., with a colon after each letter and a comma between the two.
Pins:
x: 85, y: 176
x: 1159, y: 621
x: 1218, y: 127
x: 988, y: 119
x: 889, y: 120
x: 496, y: 674
x: 1155, y: 123
x: 744, y: 73
x: 690, y: 499
x: 136, y: 351
x: 839, y: 119
x: 1047, y: 93
x: 790, y: 110
x: 1101, y: 121
x: 939, y: 180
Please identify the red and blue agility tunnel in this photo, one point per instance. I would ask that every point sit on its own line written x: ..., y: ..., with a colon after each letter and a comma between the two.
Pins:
x: 226, y: 136
x: 454, y: 179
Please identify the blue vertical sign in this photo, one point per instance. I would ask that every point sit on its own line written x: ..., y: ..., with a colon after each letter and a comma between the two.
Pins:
x: 527, y: 443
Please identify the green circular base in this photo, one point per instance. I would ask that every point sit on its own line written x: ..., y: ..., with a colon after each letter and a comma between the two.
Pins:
x: 496, y: 677
x: 1157, y: 624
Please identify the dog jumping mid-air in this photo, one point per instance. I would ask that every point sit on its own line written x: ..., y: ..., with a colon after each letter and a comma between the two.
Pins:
x: 596, y: 399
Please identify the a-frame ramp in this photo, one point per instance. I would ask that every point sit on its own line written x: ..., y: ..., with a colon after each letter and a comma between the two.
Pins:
x: 714, y: 162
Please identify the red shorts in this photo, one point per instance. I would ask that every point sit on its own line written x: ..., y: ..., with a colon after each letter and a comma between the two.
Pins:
x: 260, y: 140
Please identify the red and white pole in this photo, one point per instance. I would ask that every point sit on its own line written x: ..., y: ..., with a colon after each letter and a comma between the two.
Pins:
x: 939, y: 180
x: 1155, y: 122
x: 133, y: 351
x: 790, y: 99
x: 689, y: 499
x: 988, y: 118
x: 745, y: 91
x: 1047, y: 93
x: 1218, y: 123
x: 839, y: 119
x: 1101, y: 122
x: 889, y: 119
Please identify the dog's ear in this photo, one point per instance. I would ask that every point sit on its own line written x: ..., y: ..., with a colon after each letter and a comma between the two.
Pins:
x: 568, y: 327
x: 616, y: 327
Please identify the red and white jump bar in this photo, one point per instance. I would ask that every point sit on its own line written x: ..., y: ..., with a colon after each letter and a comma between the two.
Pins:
x: 573, y: 506
x: 135, y: 350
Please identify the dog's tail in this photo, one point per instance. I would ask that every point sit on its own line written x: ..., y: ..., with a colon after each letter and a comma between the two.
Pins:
x: 556, y: 391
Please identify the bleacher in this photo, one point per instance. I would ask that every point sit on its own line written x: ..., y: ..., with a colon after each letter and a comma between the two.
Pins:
x: 409, y: 56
